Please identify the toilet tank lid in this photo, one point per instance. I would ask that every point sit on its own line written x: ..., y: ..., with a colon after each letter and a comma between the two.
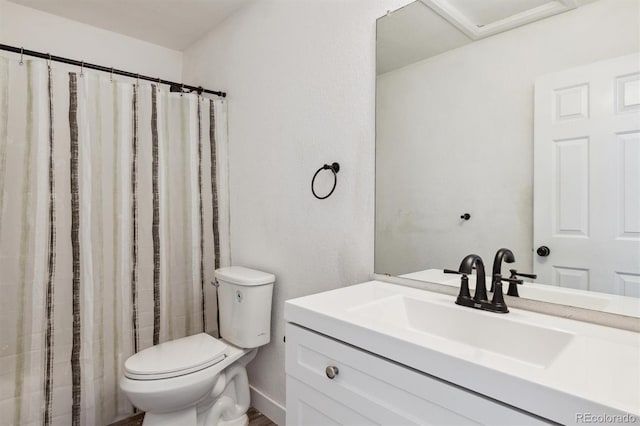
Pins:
x: 244, y: 276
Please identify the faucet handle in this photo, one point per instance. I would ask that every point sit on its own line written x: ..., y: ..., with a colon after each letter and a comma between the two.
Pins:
x: 464, y: 295
x: 515, y: 273
x: 509, y: 280
x: 513, y: 282
x: 498, y: 300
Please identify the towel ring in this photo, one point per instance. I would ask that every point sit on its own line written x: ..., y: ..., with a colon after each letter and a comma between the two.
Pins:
x: 335, y: 168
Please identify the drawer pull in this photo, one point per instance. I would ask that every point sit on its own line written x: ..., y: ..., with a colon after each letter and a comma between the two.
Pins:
x: 331, y: 371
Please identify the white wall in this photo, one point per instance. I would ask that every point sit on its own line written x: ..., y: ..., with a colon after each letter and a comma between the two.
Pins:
x: 455, y: 135
x: 301, y: 83
x: 35, y: 30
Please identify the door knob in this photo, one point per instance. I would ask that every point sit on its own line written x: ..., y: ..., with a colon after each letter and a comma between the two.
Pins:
x: 331, y: 371
x: 543, y: 251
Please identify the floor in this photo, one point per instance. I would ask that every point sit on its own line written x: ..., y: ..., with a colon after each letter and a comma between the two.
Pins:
x: 135, y: 420
x: 256, y: 418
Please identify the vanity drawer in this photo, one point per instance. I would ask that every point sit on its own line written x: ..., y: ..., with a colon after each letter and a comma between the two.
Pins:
x: 368, y: 389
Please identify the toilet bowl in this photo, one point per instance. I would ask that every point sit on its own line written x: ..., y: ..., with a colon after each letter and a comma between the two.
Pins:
x: 200, y: 380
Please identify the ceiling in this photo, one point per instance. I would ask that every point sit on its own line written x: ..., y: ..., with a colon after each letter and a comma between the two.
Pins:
x: 427, y: 28
x: 483, y: 13
x: 175, y: 24
x: 413, y: 33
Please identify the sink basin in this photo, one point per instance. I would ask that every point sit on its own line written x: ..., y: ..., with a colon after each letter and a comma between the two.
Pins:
x: 558, y: 366
x: 480, y: 331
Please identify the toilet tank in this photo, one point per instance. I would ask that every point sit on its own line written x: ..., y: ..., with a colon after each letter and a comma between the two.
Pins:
x: 244, y: 300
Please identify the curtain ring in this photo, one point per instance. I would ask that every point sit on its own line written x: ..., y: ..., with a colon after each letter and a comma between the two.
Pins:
x: 49, y: 60
x: 111, y: 78
x: 82, y: 69
x: 181, y: 89
x: 335, y: 168
x: 138, y: 80
x: 21, y: 56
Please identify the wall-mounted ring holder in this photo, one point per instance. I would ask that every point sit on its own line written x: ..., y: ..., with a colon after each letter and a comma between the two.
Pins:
x: 335, y: 168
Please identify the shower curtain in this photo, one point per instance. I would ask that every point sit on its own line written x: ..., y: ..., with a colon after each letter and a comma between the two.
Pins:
x: 113, y: 217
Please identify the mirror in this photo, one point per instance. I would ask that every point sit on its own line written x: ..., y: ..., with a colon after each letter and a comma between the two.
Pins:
x: 512, y: 124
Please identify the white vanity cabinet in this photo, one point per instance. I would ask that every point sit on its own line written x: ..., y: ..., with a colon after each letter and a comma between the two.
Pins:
x: 370, y: 390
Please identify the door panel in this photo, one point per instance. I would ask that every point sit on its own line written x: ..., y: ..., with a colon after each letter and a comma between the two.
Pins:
x: 587, y: 177
x: 571, y: 187
x: 629, y: 184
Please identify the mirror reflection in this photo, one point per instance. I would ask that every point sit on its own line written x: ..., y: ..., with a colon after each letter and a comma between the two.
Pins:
x: 493, y: 131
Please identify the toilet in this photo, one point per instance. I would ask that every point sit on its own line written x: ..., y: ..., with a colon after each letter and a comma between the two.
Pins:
x: 200, y: 380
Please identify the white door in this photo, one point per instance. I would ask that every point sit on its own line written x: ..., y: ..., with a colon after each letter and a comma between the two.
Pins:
x: 587, y: 177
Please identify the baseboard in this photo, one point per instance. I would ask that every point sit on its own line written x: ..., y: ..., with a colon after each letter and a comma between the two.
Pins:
x: 268, y: 407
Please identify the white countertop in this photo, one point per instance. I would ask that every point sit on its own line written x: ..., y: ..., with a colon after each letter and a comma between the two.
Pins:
x: 597, y: 372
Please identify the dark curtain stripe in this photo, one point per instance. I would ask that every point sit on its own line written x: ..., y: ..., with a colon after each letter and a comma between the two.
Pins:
x: 134, y: 221
x: 156, y: 217
x: 204, y: 312
x: 214, y: 183
x: 48, y: 383
x: 75, y: 244
x: 214, y: 199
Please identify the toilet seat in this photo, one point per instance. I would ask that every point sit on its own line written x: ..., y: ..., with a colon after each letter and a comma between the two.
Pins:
x: 175, y: 358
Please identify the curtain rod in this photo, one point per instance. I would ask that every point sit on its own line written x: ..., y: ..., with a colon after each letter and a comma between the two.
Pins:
x: 175, y: 87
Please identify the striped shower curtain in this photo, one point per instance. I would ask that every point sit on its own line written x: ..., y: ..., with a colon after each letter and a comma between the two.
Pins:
x: 113, y: 217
